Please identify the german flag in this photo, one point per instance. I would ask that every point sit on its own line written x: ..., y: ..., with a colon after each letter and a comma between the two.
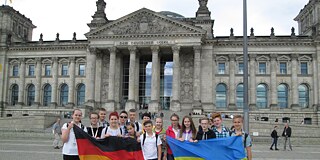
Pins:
x: 110, y: 148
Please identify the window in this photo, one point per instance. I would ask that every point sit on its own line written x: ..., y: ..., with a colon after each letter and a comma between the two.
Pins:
x: 282, y: 96
x: 64, y: 70
x: 283, y: 68
x: 304, y: 68
x: 15, y: 70
x: 31, y: 95
x: 221, y: 96
x: 14, y: 94
x: 262, y: 68
x: 31, y: 70
x: 81, y: 93
x: 47, y: 95
x: 240, y: 69
x: 64, y: 91
x: 303, y: 96
x: 47, y: 70
x: 82, y: 68
x: 262, y: 96
x: 221, y: 68
x: 240, y: 95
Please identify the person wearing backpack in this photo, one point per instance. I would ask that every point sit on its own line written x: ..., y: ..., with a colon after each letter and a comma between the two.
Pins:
x: 150, y: 143
x: 114, y: 129
x: 247, y: 144
x: 275, y: 137
x: 70, y: 148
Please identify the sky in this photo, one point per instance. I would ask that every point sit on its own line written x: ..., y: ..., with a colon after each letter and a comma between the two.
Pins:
x: 68, y: 16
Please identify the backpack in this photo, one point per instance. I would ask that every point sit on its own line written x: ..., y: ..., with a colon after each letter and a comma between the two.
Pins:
x: 105, y: 132
x: 137, y: 125
x: 245, y: 138
x: 144, y: 139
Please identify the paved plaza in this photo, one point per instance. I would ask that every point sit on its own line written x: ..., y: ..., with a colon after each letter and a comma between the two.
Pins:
x: 41, y: 149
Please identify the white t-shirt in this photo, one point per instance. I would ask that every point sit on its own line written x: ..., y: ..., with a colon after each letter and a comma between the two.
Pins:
x: 149, y: 148
x: 111, y: 132
x: 70, y: 147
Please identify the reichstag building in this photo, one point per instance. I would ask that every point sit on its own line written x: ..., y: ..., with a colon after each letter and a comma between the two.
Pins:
x: 161, y: 61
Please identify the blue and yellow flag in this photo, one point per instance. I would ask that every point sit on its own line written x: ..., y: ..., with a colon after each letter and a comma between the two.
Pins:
x: 230, y: 148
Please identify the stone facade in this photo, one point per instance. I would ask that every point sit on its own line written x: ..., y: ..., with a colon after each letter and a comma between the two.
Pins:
x: 107, y: 69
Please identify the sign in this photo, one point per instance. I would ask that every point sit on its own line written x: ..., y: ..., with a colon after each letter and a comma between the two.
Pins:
x: 143, y: 43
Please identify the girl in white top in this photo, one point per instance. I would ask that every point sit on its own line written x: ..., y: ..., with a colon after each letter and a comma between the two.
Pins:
x: 114, y: 129
x: 70, y: 149
x: 188, y: 131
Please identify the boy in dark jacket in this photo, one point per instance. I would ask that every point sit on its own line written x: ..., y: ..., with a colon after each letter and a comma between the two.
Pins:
x: 275, y: 137
x: 205, y: 133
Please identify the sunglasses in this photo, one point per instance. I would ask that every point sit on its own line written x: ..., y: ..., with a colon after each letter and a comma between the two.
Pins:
x: 123, y: 117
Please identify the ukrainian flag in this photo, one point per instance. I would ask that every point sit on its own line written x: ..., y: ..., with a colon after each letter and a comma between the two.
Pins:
x: 230, y: 148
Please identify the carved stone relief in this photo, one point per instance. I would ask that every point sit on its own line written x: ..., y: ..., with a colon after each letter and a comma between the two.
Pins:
x: 105, y: 77
x: 186, y: 78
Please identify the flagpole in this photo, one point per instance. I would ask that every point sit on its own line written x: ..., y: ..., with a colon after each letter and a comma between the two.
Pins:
x: 5, y: 2
x: 245, y: 74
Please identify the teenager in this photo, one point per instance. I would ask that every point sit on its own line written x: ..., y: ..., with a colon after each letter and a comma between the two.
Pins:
x: 172, y: 131
x: 102, y: 118
x: 161, y: 132
x: 70, y: 149
x: 94, y: 129
x: 275, y: 137
x: 205, y: 132
x: 114, y: 128
x: 188, y: 131
x: 150, y: 143
x: 131, y: 132
x: 145, y: 117
x: 218, y: 128
x: 238, y: 123
x: 123, y: 117
x: 132, y: 118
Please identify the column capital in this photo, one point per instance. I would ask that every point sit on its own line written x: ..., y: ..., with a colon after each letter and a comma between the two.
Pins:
x: 273, y: 56
x: 232, y: 57
x: 314, y: 55
x: 197, y: 48
x: 294, y: 56
x: 132, y: 49
x: 92, y: 50
x: 155, y: 49
x: 54, y: 59
x: 176, y: 48
x: 22, y: 60
x: 253, y: 56
x: 38, y: 59
x: 112, y: 49
x: 72, y: 59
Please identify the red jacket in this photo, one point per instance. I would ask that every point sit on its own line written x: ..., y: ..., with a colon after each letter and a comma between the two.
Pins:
x: 170, y: 133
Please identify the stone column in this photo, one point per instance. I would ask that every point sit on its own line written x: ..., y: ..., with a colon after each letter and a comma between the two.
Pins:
x: 72, y: 89
x: 315, y: 82
x: 22, y: 74
x: 294, y: 82
x: 111, y: 105
x: 38, y: 82
x: 214, y: 85
x: 98, y: 80
x: 137, y: 80
x: 175, y: 101
x: 232, y: 66
x: 90, y: 76
x: 317, y: 74
x: 155, y: 92
x: 196, y: 78
x: 252, y: 81
x: 55, y: 75
x: 273, y: 81
x: 132, y: 67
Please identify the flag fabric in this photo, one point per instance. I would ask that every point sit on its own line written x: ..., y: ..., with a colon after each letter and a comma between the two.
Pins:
x: 230, y: 148
x: 110, y: 148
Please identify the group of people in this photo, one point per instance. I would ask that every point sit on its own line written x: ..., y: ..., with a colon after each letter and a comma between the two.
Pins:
x: 286, y: 134
x: 151, y: 135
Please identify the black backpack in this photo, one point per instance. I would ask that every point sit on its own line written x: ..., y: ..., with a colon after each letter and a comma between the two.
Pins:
x: 108, y: 127
x: 144, y: 139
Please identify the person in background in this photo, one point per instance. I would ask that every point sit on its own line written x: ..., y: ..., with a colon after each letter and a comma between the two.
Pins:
x: 205, y: 132
x: 94, y: 130
x: 145, y: 117
x: 137, y: 125
x: 275, y: 137
x: 114, y: 128
x: 172, y: 131
x: 56, y: 130
x: 70, y: 148
x: 122, y: 122
x: 218, y: 128
x: 247, y: 144
x: 159, y: 130
x: 188, y: 131
x: 102, y: 118
x: 287, y: 134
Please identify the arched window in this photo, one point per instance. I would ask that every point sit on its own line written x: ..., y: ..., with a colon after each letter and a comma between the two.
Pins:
x: 47, y: 95
x: 221, y: 96
x: 14, y: 94
x: 262, y: 98
x: 81, y: 93
x: 64, y: 91
x: 282, y: 96
x: 240, y: 95
x: 303, y: 96
x: 31, y: 95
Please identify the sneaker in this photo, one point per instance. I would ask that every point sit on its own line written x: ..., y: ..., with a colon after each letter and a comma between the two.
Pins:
x: 276, y: 149
x: 271, y: 149
x: 56, y: 147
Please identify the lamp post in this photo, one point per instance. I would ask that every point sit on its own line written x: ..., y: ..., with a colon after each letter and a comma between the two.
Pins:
x: 245, y: 74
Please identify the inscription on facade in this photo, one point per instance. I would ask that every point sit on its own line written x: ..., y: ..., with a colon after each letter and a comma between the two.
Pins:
x: 142, y: 43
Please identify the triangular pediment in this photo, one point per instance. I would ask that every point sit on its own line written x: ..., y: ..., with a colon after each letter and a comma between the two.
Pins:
x: 145, y: 22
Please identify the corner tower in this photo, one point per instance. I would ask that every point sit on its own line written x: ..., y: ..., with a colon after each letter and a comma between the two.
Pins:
x: 203, y: 18
x: 99, y: 18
